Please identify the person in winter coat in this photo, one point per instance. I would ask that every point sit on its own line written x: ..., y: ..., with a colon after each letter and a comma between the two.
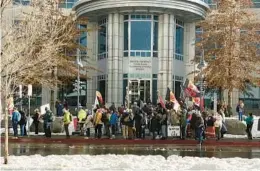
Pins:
x: 249, y: 124
x: 88, y: 123
x: 218, y: 125
x: 240, y: 110
x: 113, y: 123
x: 163, y: 121
x: 22, y: 123
x: 137, y: 120
x: 199, y: 128
x: 36, y: 120
x: 184, y: 124
x: 125, y: 118
x: 16, y: 117
x: 154, y: 125
x: 66, y: 121
x: 47, y: 120
x: 98, y: 124
x: 81, y: 119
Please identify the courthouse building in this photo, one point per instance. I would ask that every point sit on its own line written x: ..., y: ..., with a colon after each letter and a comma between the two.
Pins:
x: 146, y: 45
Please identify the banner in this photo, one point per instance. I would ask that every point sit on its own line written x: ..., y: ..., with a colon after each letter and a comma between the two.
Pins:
x: 173, y: 99
x: 140, y: 67
x: 190, y: 89
x: 161, y: 102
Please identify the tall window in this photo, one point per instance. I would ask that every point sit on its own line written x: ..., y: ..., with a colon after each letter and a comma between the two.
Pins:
x: 21, y: 2
x: 102, y: 39
x: 177, y: 82
x: 83, y: 39
x: 256, y: 3
x: 179, y: 43
x: 140, y: 35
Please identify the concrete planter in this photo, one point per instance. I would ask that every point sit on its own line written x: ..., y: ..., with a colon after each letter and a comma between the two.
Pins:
x: 235, y: 127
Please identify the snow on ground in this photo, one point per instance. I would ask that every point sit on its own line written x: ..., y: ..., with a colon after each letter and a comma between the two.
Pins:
x: 127, y: 162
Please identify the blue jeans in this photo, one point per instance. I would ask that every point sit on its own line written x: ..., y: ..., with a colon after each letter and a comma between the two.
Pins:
x: 199, y: 134
x: 22, y: 129
x: 15, y: 124
x: 240, y: 116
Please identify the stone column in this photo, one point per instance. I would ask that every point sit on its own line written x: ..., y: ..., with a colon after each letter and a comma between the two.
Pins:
x: 92, y: 53
x: 165, y: 51
x: 120, y: 61
x: 171, y: 51
x: 115, y: 59
x: 109, y: 88
x: 189, y: 49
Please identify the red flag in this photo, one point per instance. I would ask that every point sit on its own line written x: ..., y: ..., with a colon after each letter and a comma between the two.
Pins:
x: 196, y: 101
x: 175, y: 101
x: 161, y: 102
x: 190, y: 89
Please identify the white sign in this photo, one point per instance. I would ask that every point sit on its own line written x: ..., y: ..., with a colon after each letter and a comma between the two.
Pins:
x: 29, y: 90
x: 140, y: 65
x: 255, y: 128
x: 174, y: 131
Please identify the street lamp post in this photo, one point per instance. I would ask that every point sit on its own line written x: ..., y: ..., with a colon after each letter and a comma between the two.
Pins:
x: 79, y: 64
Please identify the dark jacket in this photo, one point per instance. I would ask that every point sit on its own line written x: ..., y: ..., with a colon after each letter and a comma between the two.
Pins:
x: 23, y: 118
x: 154, y: 124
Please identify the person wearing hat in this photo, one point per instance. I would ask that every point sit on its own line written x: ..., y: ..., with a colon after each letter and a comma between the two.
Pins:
x: 36, y: 120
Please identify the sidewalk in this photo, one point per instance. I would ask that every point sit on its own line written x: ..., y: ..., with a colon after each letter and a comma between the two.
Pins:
x: 60, y: 139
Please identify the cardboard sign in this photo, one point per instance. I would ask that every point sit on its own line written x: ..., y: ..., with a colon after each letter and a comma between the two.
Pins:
x: 174, y: 131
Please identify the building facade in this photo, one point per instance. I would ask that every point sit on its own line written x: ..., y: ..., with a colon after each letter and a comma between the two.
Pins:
x: 144, y: 45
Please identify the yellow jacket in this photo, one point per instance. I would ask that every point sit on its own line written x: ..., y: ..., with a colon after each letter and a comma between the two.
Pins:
x: 97, y: 119
x: 82, y: 115
x: 66, y: 118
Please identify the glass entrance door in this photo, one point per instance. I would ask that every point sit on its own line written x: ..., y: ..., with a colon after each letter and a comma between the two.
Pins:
x: 145, y: 90
x: 140, y: 90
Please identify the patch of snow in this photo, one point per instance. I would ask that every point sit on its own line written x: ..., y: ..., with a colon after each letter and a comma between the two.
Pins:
x: 127, y: 162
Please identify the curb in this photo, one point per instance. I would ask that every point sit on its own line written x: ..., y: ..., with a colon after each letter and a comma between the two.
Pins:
x: 210, y: 142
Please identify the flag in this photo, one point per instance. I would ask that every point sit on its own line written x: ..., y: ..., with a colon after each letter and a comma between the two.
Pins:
x: 190, y: 89
x: 96, y: 102
x: 196, y: 101
x: 99, y: 97
x: 176, y: 105
x: 161, y: 102
x: 167, y: 98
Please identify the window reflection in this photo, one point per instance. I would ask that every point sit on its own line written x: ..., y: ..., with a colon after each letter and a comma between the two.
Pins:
x: 102, y: 39
x: 140, y: 35
x: 179, y: 44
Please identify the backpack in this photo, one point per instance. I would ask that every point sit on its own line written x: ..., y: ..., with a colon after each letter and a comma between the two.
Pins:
x: 104, y: 118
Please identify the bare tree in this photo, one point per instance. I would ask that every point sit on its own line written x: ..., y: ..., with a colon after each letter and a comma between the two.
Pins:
x: 230, y: 43
x: 33, y: 49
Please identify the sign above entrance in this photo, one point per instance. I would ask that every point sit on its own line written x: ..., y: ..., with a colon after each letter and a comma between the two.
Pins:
x: 140, y: 66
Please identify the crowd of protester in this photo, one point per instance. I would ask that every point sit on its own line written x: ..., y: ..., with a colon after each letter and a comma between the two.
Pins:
x: 136, y: 122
